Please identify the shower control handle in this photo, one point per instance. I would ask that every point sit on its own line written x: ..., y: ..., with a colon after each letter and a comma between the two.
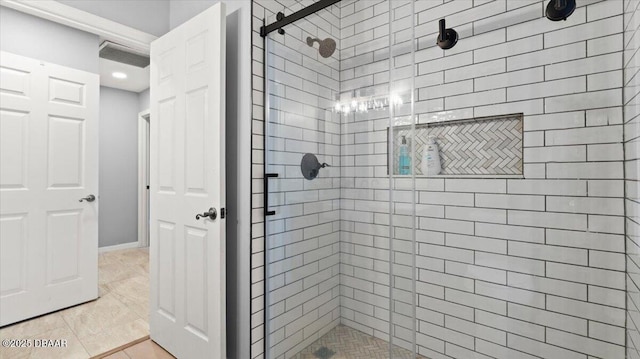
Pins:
x: 443, y: 29
x: 447, y: 38
x: 267, y: 212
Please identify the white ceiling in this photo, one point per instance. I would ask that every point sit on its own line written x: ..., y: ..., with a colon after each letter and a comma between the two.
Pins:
x: 137, y: 79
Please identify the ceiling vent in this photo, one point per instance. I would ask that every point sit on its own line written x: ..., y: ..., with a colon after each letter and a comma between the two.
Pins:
x: 119, y: 53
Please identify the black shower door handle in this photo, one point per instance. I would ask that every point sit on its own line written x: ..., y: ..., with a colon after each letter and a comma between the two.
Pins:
x: 267, y: 212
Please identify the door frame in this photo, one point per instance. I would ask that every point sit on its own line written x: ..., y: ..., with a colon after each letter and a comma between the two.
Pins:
x: 144, y: 124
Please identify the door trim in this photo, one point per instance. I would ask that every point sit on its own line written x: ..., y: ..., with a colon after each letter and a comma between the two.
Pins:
x: 82, y: 20
x: 143, y: 178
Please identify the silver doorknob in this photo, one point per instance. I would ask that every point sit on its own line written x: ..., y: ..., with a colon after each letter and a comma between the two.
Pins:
x: 212, y: 214
x: 89, y: 198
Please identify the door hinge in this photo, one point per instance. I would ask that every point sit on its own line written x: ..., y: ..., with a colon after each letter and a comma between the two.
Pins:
x: 223, y: 212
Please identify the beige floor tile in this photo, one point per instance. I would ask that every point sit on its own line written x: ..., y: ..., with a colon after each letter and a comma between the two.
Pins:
x: 118, y: 317
x: 103, y: 289
x: 134, y: 288
x: 118, y: 271
x: 147, y: 350
x: 116, y: 336
x: 107, y: 258
x: 133, y: 293
x: 129, y: 256
x: 134, y: 256
x: 73, y: 350
x: 33, y: 327
x: 95, y: 317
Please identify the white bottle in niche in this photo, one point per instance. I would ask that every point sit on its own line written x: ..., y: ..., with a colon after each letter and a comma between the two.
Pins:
x: 431, y: 165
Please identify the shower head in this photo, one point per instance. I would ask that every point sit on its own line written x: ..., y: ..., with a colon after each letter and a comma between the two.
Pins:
x: 560, y: 9
x: 327, y: 46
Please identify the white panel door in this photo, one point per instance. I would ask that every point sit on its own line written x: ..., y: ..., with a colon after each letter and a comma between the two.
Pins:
x: 187, y: 255
x: 48, y: 162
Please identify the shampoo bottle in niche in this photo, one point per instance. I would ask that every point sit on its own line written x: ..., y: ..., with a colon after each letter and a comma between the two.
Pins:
x: 431, y: 165
x: 404, y: 160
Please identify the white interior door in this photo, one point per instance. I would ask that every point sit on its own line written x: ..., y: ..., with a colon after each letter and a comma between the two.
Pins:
x: 187, y: 255
x: 48, y: 162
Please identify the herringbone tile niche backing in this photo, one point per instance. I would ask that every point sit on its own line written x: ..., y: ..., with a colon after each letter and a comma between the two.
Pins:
x: 477, y: 146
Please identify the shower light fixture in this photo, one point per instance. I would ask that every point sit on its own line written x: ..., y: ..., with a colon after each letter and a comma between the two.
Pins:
x: 119, y: 75
x: 364, y: 105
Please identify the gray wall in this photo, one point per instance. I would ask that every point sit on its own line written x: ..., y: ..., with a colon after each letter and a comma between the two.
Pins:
x: 632, y: 172
x: 133, y: 13
x: 118, y: 198
x: 34, y: 37
x: 143, y: 100
x: 238, y: 163
x: 183, y: 10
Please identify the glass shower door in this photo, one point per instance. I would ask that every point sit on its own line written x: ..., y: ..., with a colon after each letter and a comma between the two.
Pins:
x: 302, y: 184
x: 340, y: 238
x: 403, y: 161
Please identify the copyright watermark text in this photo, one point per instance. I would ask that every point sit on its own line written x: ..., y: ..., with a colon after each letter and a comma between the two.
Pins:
x: 34, y: 343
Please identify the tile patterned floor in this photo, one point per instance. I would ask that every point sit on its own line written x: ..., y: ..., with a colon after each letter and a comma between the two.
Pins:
x: 348, y: 343
x: 118, y: 317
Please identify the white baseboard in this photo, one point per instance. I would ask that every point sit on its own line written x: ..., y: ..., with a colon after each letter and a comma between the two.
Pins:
x: 118, y: 247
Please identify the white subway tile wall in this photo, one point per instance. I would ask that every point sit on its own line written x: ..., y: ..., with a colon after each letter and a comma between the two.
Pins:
x: 631, y: 59
x: 506, y: 267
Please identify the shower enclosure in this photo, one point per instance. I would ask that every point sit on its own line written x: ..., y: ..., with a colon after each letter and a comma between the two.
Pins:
x: 469, y: 199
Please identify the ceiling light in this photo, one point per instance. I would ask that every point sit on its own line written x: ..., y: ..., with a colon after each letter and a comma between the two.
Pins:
x: 119, y: 75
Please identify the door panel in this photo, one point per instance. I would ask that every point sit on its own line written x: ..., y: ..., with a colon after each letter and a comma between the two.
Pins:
x: 64, y: 157
x: 13, y: 149
x: 64, y: 243
x: 13, y: 239
x: 196, y: 157
x: 187, y: 258
x: 49, y: 160
x: 66, y: 92
x: 15, y: 82
x: 195, y: 288
x: 166, y: 247
x: 166, y: 136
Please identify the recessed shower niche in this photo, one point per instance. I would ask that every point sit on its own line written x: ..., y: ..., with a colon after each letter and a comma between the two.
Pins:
x: 482, y: 146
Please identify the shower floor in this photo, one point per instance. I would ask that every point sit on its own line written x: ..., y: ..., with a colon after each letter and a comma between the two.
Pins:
x: 343, y: 342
